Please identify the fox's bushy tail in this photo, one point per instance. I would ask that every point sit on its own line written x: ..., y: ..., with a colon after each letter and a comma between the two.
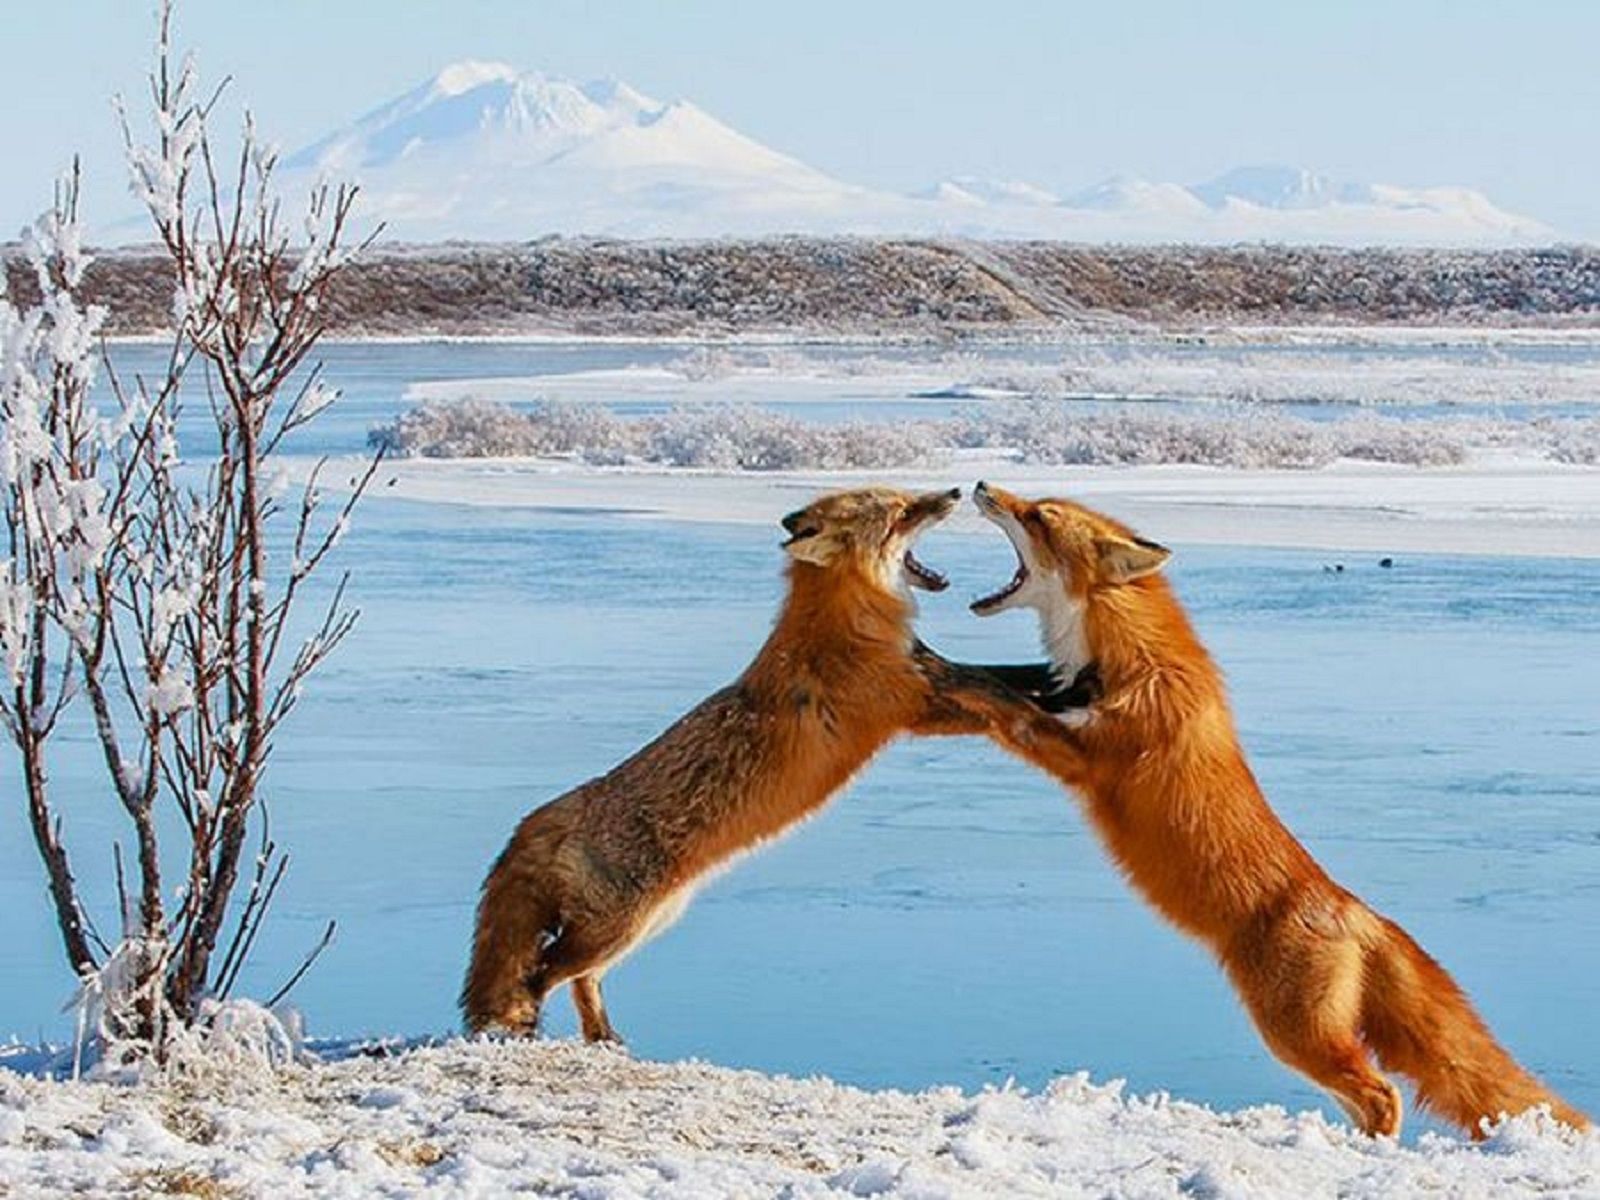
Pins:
x: 1420, y: 1024
x: 517, y: 913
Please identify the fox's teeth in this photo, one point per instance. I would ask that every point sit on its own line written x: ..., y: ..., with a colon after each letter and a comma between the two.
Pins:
x: 930, y: 579
x: 1017, y: 580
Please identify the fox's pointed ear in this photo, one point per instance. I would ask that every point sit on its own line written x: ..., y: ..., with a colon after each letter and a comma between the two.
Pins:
x: 1123, y: 560
x: 803, y: 542
x: 809, y: 547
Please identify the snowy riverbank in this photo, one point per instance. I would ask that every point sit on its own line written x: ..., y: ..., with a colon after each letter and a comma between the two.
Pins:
x: 467, y: 1119
x: 1494, y: 504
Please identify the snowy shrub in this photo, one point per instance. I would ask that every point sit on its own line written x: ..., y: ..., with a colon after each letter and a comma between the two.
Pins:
x: 1053, y: 433
x: 1300, y: 377
x: 584, y: 430
x: 468, y: 428
x: 234, y: 1042
x: 1413, y: 443
x: 707, y: 363
x: 862, y: 445
x: 1575, y: 441
x: 728, y: 438
x: 722, y: 437
x: 159, y: 594
x: 1057, y: 434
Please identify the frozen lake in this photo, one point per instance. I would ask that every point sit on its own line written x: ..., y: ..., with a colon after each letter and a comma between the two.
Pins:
x: 857, y: 379
x: 1431, y: 731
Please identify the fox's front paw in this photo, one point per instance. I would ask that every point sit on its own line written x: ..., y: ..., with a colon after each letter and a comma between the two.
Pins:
x: 1074, y: 702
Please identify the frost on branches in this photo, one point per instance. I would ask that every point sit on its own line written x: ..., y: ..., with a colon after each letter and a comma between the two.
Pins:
x: 142, y: 586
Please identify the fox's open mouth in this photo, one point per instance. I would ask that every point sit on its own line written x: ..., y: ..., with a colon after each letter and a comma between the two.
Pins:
x: 922, y: 576
x: 993, y: 600
x: 927, y: 510
x: 990, y: 507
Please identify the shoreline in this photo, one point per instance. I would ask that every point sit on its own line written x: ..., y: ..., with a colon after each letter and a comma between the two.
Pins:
x: 1220, y: 334
x: 1499, y: 506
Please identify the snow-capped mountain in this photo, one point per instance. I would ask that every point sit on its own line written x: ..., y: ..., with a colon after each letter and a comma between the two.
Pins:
x: 1273, y: 186
x: 1293, y: 204
x: 485, y: 152
x: 972, y: 189
x: 1122, y: 194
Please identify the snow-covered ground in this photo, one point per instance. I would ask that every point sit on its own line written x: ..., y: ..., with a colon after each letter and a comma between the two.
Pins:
x: 1353, y: 374
x: 487, y: 1120
x: 1494, y: 505
x: 1505, y: 498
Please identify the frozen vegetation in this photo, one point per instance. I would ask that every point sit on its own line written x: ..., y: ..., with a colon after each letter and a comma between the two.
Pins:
x: 744, y: 438
x: 481, y: 1119
x: 721, y: 437
x: 738, y: 408
x: 1486, y: 378
x: 906, y: 287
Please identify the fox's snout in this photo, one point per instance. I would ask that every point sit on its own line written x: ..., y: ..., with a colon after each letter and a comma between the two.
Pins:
x: 931, y: 505
x: 994, y: 500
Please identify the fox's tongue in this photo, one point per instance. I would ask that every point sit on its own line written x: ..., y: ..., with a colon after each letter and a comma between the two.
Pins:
x: 924, y: 577
x: 985, y: 603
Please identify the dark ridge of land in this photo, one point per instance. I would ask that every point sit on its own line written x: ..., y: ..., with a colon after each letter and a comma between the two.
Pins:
x: 894, y: 288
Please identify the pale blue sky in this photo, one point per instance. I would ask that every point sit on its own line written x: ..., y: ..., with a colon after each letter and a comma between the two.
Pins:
x: 1500, y: 96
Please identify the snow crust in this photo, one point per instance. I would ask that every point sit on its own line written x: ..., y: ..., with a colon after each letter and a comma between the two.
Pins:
x: 1492, y: 505
x: 485, y: 1119
x: 488, y: 1119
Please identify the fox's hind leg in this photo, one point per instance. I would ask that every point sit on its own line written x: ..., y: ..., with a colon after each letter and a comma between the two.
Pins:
x: 1342, y: 1065
x: 512, y: 927
x: 591, y: 1007
x: 579, y: 953
x: 1302, y: 982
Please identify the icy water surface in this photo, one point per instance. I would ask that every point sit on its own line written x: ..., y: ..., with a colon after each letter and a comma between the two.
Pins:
x: 1432, y: 731
x: 374, y: 378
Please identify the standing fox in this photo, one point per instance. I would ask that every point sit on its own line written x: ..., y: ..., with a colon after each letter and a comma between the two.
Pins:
x: 1326, y: 980
x: 594, y: 873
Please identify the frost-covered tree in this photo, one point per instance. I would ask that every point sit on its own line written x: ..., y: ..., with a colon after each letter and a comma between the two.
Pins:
x: 152, y: 588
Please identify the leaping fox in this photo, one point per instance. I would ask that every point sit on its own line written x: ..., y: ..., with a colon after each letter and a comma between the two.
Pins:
x: 594, y: 873
x: 1329, y: 982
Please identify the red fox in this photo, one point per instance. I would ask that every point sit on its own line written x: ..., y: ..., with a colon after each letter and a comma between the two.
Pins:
x: 592, y: 874
x: 1328, y: 982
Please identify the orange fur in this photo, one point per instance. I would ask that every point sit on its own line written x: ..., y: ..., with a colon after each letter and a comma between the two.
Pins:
x: 1328, y: 982
x: 591, y: 874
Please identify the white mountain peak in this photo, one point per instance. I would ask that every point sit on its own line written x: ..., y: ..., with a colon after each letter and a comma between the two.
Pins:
x: 488, y: 152
x: 470, y: 73
x: 1272, y: 185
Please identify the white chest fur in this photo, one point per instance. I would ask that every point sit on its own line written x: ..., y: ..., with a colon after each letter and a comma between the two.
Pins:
x: 1061, y: 625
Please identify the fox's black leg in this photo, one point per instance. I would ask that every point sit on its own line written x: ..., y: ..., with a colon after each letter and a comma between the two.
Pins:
x: 965, y: 699
x: 1040, y: 683
x: 1034, y: 682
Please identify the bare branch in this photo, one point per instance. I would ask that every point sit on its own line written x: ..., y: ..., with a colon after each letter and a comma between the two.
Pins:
x: 316, y: 953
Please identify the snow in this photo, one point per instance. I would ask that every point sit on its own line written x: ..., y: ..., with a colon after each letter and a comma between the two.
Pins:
x: 485, y: 152
x: 1233, y: 374
x: 1270, y: 186
x: 1493, y: 505
x: 1518, y: 490
x: 488, y: 1119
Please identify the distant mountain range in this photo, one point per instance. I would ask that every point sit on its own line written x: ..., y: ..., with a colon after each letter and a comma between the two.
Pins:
x: 484, y: 152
